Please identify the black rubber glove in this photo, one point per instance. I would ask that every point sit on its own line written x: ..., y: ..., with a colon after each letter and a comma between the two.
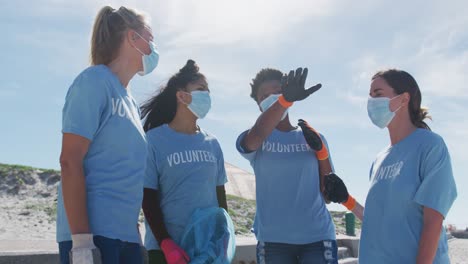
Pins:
x: 311, y: 136
x: 293, y: 86
x: 335, y: 189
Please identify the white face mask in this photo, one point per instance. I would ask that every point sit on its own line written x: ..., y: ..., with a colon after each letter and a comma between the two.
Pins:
x: 379, y: 111
x: 201, y: 103
x: 269, y: 101
x: 150, y: 61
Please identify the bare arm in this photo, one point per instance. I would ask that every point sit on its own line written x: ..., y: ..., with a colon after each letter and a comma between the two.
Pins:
x: 263, y: 127
x: 337, y: 188
x: 430, y: 236
x: 324, y: 169
x: 292, y: 90
x: 221, y: 195
x: 153, y: 214
x: 74, y: 149
x: 358, y: 211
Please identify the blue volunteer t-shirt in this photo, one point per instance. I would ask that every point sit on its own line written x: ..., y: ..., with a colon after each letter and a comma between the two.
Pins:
x: 185, y: 169
x: 413, y: 173
x: 100, y: 109
x: 290, y: 207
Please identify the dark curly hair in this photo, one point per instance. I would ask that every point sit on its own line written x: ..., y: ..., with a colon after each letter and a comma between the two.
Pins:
x: 161, y: 108
x: 264, y: 75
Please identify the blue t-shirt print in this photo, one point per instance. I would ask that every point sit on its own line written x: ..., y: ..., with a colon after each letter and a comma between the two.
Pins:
x: 190, y: 156
x: 100, y: 109
x: 290, y: 207
x: 406, y: 177
x: 185, y: 169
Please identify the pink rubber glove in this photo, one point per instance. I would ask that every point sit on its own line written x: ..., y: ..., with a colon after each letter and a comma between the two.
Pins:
x: 173, y: 253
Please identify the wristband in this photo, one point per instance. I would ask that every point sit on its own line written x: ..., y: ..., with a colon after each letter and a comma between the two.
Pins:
x: 323, y: 153
x: 282, y: 101
x: 350, y: 203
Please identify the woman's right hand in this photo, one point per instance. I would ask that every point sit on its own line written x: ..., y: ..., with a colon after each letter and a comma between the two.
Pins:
x: 173, y: 253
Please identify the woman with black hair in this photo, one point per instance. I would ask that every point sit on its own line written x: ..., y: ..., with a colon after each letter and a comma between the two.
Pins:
x: 185, y: 168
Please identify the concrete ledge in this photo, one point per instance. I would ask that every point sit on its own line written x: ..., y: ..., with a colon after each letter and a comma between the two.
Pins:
x: 46, y: 251
x: 460, y: 234
x: 246, y: 250
x: 29, y: 257
x: 352, y: 243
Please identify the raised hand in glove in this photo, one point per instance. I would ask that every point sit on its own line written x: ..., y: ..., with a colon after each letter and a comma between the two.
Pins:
x: 314, y: 140
x: 293, y: 87
x: 336, y: 191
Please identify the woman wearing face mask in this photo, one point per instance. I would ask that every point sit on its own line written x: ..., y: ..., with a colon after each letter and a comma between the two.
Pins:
x: 412, y: 185
x: 185, y: 169
x: 104, y: 145
x: 292, y: 223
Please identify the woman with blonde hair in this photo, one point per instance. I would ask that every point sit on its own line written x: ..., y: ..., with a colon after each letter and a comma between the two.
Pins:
x: 104, y: 146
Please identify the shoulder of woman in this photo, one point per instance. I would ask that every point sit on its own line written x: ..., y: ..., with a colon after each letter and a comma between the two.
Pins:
x: 155, y: 133
x: 211, y: 138
x: 90, y: 77
x: 431, y: 137
x: 433, y: 143
x: 207, y: 134
x: 95, y: 71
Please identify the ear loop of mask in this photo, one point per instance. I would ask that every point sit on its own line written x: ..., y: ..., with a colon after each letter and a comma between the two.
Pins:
x: 185, y: 93
x: 142, y: 53
x: 399, y: 106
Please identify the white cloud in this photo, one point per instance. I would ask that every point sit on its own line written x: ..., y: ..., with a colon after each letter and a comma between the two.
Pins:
x: 437, y: 75
x: 363, y: 68
x: 449, y: 121
x: 444, y: 75
x: 443, y: 60
x: 432, y: 48
x: 213, y: 22
x: 346, y: 42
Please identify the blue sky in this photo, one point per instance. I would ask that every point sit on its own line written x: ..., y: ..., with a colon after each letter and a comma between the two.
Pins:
x: 46, y: 44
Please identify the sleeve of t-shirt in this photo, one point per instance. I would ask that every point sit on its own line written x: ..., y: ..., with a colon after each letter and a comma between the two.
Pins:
x: 250, y: 156
x: 371, y: 171
x: 329, y: 152
x: 221, y: 177
x: 85, y: 104
x: 437, y: 190
x: 137, y: 107
x: 151, y: 174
